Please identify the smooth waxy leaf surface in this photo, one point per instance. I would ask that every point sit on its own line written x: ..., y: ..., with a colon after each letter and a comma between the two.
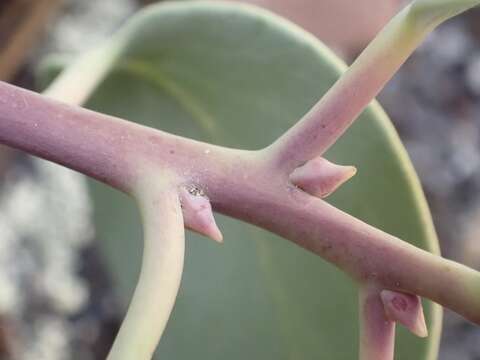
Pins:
x: 240, y: 77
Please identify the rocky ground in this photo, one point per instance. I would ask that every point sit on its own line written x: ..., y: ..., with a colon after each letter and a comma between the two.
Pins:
x: 434, y: 102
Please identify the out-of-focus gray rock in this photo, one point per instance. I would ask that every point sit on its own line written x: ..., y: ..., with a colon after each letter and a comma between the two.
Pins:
x: 473, y: 73
x: 55, y: 299
x: 45, y: 222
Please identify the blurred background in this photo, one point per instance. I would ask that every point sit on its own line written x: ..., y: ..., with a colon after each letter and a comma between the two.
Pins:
x: 57, y: 301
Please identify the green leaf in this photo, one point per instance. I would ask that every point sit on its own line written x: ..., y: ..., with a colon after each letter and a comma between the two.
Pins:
x: 238, y: 76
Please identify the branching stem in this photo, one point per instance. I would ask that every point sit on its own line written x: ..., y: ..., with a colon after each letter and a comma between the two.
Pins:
x: 242, y: 184
x: 364, y: 79
x: 254, y: 186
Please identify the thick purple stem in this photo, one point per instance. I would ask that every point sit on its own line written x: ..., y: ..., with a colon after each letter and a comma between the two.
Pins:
x: 101, y: 146
x: 368, y: 254
x: 238, y: 183
x: 83, y: 140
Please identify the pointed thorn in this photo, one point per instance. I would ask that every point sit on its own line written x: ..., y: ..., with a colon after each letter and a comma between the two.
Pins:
x: 405, y: 309
x: 320, y: 177
x: 198, y: 214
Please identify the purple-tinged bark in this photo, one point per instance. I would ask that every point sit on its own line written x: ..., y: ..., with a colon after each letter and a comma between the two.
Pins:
x: 91, y: 143
x: 367, y: 254
x: 241, y: 184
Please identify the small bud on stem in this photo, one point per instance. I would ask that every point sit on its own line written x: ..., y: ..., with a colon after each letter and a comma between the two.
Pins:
x: 198, y: 215
x: 320, y: 177
x: 405, y: 309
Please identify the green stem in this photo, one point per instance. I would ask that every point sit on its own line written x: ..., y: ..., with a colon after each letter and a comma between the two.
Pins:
x: 160, y: 276
x: 343, y: 103
x: 89, y: 70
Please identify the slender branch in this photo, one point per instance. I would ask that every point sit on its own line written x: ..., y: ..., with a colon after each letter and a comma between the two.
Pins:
x: 160, y: 276
x: 89, y: 70
x: 358, y: 86
x: 377, y: 332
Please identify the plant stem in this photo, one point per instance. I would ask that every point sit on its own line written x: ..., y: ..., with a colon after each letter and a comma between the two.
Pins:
x: 160, y: 276
x: 364, y: 79
x: 85, y: 141
x: 245, y: 185
x: 89, y: 71
x: 367, y: 254
x: 377, y: 333
x: 240, y: 184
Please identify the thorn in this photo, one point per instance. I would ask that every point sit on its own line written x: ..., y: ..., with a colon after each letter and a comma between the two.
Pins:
x: 405, y: 309
x: 198, y: 215
x: 320, y: 177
